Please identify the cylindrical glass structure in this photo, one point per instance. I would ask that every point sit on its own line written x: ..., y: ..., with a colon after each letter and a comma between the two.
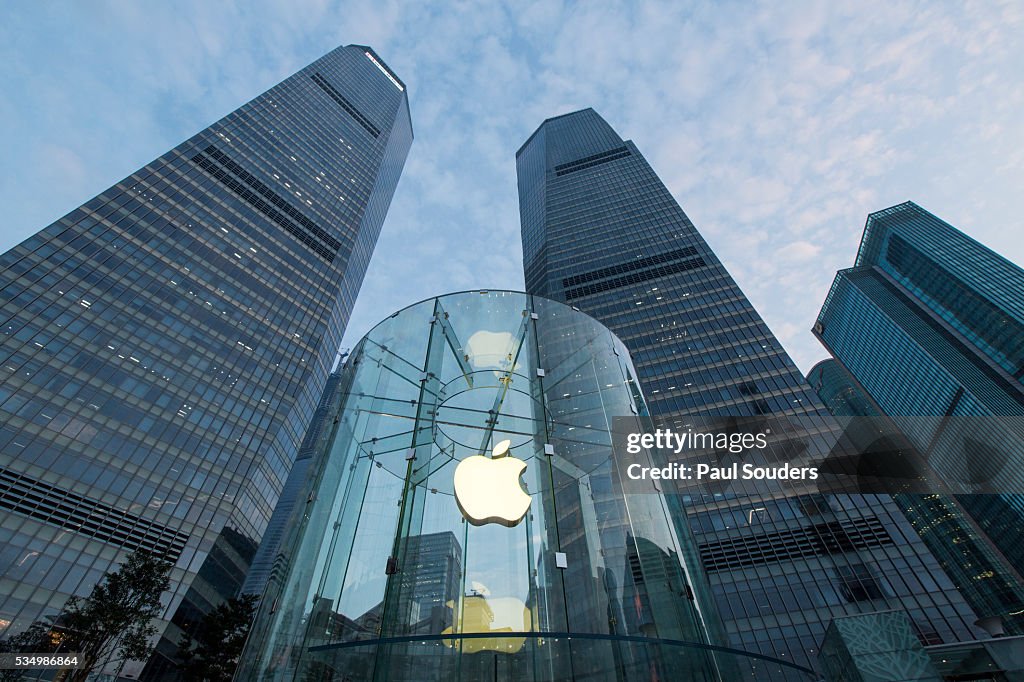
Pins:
x: 465, y: 518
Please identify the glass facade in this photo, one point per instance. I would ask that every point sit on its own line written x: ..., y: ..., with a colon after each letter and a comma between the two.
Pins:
x: 839, y: 392
x: 930, y: 322
x: 602, y: 233
x: 957, y: 528
x: 165, y: 345
x: 404, y: 563
x: 268, y: 556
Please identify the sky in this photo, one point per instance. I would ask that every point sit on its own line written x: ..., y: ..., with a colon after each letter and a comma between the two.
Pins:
x: 777, y: 126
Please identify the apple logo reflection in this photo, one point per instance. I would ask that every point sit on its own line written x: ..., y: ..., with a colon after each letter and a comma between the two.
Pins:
x: 481, y: 614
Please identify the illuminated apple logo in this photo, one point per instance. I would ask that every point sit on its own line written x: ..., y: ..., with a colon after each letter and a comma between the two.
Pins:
x: 487, y: 489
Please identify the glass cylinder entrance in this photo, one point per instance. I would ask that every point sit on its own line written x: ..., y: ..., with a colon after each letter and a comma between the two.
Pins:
x: 465, y: 517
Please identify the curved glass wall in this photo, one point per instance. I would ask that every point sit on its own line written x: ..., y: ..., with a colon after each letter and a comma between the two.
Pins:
x: 465, y: 518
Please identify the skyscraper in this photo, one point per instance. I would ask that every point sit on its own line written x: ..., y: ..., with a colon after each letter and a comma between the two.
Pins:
x: 930, y: 322
x: 166, y: 344
x: 602, y: 232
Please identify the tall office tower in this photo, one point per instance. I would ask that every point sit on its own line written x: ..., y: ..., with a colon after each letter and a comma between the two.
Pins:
x: 930, y: 322
x: 166, y: 344
x: 431, y: 583
x: 430, y: 589
x: 601, y: 232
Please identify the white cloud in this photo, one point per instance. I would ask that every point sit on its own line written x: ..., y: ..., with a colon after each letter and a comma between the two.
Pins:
x: 798, y: 252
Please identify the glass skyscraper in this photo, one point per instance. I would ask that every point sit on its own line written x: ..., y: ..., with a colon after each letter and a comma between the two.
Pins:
x: 917, y: 277
x: 603, y: 233
x: 929, y: 322
x: 166, y: 344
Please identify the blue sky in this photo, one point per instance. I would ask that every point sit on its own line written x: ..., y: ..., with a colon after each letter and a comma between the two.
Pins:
x: 777, y: 126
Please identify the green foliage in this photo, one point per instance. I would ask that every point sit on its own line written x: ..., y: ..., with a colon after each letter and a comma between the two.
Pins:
x: 211, y: 654
x: 117, y: 616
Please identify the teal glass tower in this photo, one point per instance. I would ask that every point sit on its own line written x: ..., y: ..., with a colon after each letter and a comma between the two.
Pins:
x: 917, y: 278
x: 406, y: 560
x: 929, y: 322
x: 602, y: 233
x: 165, y: 345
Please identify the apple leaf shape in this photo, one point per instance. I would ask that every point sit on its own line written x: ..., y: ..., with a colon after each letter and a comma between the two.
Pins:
x: 488, y: 490
x: 501, y: 449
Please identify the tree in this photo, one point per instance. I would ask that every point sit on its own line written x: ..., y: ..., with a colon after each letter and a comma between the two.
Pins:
x: 116, y: 617
x: 37, y: 638
x: 211, y: 654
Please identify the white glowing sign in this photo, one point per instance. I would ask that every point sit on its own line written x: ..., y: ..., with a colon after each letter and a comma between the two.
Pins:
x: 384, y: 71
x: 487, y: 489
